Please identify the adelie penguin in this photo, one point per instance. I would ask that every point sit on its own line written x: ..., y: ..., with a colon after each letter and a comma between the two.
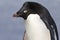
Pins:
x: 38, y: 22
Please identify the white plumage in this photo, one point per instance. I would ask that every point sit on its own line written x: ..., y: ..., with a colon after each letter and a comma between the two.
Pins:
x: 36, y: 28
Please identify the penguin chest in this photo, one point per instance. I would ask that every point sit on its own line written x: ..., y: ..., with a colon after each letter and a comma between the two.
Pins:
x: 36, y: 28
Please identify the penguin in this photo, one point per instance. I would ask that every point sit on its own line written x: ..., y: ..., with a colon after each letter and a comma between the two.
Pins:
x: 39, y: 24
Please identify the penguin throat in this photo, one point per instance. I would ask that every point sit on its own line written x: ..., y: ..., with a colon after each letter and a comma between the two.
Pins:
x: 36, y: 28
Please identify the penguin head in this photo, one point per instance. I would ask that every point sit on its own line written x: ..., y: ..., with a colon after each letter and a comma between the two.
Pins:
x: 30, y: 8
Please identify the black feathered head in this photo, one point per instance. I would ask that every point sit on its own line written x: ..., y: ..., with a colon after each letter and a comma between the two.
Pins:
x: 31, y: 8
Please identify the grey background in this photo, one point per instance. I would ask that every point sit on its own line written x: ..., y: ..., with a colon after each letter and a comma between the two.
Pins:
x: 13, y: 28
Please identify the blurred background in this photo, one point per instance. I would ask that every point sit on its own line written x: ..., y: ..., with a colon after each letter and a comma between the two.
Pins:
x: 13, y: 28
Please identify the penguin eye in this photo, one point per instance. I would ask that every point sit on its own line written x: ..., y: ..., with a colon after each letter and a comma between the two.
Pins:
x: 25, y: 11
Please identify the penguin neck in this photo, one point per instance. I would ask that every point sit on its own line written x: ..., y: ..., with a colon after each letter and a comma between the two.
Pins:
x: 35, y: 28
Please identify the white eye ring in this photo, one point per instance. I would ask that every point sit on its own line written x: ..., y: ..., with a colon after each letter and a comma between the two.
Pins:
x: 25, y: 11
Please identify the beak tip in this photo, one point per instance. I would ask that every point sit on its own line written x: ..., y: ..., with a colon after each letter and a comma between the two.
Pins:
x: 14, y: 15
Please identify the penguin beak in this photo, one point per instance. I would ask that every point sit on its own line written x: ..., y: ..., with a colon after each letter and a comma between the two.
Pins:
x: 16, y: 15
